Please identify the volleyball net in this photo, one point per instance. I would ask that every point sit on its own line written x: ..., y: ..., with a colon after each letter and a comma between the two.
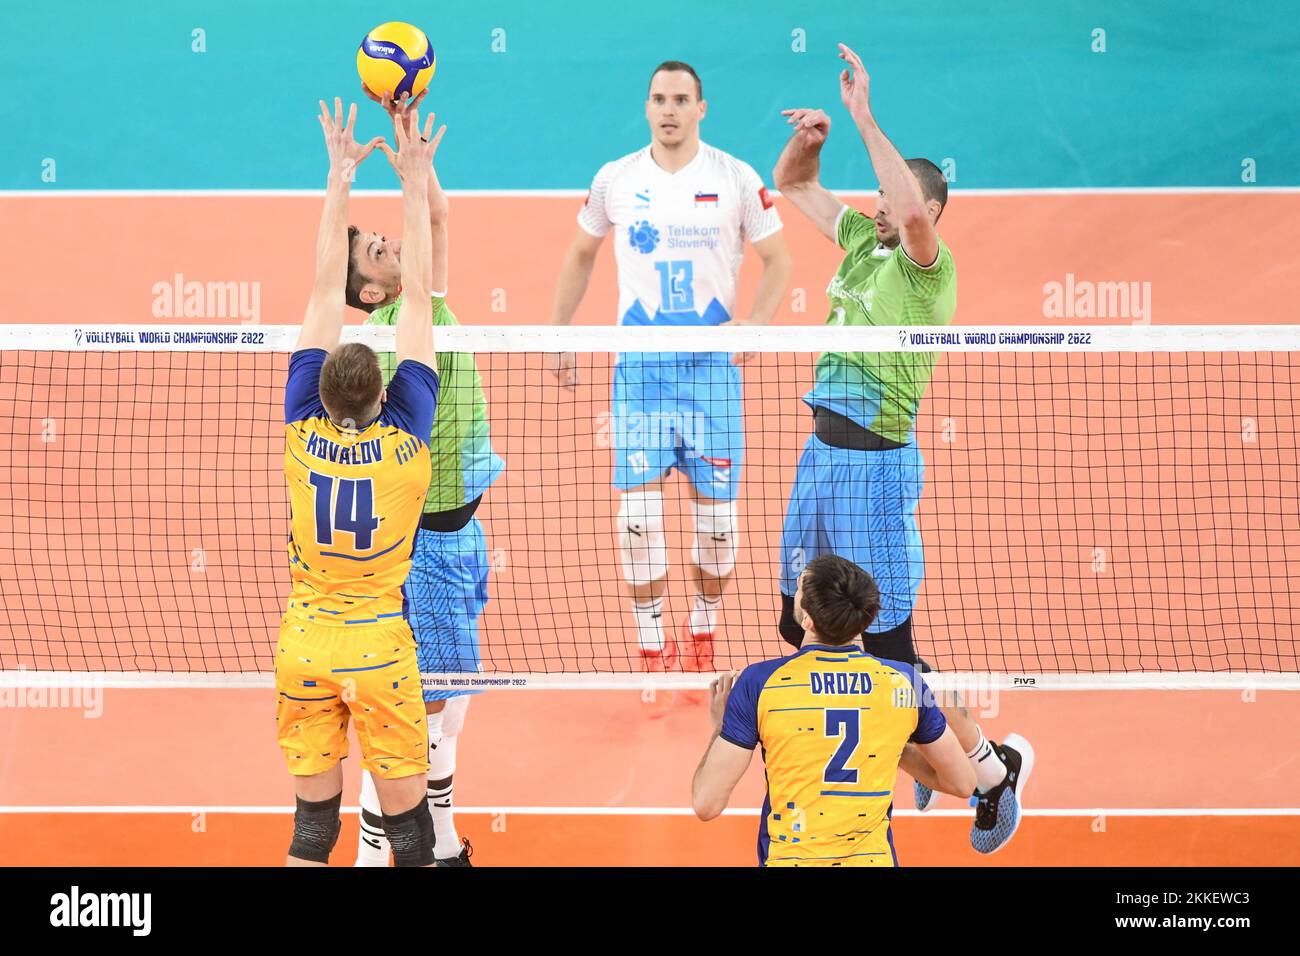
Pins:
x: 1102, y: 507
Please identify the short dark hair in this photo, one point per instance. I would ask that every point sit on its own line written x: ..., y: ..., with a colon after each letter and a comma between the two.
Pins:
x: 677, y: 66
x: 841, y: 599
x: 356, y: 281
x: 350, y: 384
x: 934, y: 184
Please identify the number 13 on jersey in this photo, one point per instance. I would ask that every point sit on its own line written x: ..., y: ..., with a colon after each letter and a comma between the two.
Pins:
x: 676, y: 278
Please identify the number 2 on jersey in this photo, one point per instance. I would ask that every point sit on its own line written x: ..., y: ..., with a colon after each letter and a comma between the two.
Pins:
x: 353, y: 509
x: 836, y: 771
x: 676, y: 285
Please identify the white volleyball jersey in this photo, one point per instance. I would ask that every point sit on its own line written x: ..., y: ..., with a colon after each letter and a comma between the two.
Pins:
x: 678, y: 237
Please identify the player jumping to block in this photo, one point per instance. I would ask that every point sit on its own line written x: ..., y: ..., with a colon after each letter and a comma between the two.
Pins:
x: 447, y: 587
x: 859, y: 478
x: 829, y: 786
x: 680, y: 211
x: 357, y: 466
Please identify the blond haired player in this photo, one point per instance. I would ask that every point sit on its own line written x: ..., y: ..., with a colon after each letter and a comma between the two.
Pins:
x: 357, y: 465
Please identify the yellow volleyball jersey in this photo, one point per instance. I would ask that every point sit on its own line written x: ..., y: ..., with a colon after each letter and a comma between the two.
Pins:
x: 832, y: 722
x: 356, y: 496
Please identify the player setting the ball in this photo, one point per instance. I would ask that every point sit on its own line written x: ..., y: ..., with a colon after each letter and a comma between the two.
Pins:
x: 447, y: 589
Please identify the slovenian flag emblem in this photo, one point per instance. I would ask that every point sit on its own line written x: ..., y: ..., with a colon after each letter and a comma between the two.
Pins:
x: 706, y: 197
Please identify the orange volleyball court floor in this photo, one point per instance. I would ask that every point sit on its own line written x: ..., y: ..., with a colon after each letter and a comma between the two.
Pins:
x: 193, y: 776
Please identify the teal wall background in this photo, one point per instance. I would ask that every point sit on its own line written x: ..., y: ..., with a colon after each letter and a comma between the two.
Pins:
x: 1010, y: 90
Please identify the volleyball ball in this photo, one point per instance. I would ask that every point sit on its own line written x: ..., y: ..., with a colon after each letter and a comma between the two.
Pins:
x: 396, y: 58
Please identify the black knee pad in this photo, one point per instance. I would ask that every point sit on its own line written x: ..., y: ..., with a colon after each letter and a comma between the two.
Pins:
x: 316, y: 829
x: 410, y: 834
x: 892, y: 645
x: 791, y: 632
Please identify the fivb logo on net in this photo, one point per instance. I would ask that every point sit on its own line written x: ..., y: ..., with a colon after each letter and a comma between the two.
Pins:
x: 75, y: 691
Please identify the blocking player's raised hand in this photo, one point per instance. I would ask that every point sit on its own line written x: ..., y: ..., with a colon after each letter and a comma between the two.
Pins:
x: 394, y: 107
x: 855, y: 84
x: 813, y: 126
x: 415, y: 148
x: 344, y: 151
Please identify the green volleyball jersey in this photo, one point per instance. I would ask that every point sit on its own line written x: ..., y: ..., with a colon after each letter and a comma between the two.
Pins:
x: 460, y: 447
x: 874, y: 285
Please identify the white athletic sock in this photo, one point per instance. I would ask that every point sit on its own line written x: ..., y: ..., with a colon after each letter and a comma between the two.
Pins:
x: 446, y: 839
x: 442, y: 764
x: 704, y: 614
x: 989, y: 768
x: 372, y: 845
x: 649, y: 624
x: 433, y: 723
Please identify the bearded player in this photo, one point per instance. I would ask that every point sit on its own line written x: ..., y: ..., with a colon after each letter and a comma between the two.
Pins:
x: 447, y: 586
x: 859, y: 479
x: 679, y: 211
x: 357, y: 465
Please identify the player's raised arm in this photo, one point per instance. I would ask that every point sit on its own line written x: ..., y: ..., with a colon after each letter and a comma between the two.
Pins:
x: 908, y: 207
x: 797, y: 171
x: 412, y: 161
x: 439, y: 207
x: 324, y: 319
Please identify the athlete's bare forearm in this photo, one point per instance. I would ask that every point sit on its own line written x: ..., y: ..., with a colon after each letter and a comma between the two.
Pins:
x: 777, y: 269
x: 323, y: 321
x: 417, y: 240
x: 907, y: 204
x: 439, y: 211
x: 798, y: 169
x: 332, y: 236
x: 571, y: 287
x: 799, y: 164
x: 416, y: 149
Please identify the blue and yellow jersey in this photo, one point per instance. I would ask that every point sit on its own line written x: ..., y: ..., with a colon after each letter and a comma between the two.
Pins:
x: 832, y: 722
x: 356, y: 496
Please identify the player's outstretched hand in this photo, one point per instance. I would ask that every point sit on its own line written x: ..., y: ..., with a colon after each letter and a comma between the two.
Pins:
x: 855, y: 84
x: 415, y: 149
x: 812, y: 125
x: 394, y: 107
x: 719, y: 691
x: 564, y: 366
x: 345, y: 152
